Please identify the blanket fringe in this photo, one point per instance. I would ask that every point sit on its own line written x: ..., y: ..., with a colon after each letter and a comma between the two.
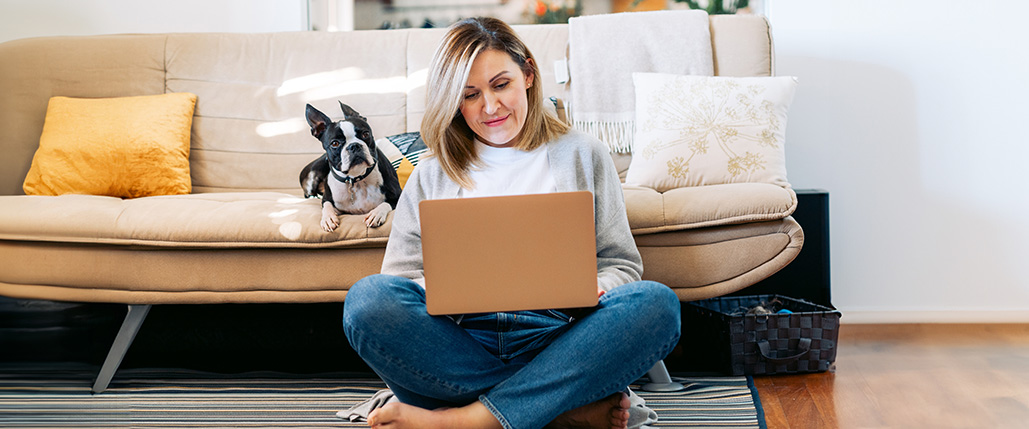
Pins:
x: 617, y: 135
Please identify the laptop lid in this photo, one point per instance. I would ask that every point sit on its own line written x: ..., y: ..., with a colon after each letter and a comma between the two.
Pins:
x: 509, y: 253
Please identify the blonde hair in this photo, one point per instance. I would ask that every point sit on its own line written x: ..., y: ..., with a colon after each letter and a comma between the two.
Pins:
x: 443, y: 129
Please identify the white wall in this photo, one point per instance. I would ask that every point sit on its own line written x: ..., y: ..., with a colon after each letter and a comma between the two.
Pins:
x: 31, y: 18
x: 911, y: 114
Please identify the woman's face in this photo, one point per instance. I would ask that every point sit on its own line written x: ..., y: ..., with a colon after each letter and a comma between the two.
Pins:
x: 495, y: 101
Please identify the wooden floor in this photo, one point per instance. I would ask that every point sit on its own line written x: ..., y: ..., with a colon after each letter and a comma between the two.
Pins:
x: 910, y: 376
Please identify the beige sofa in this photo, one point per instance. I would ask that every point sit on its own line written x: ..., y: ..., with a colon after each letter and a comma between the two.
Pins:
x: 245, y: 234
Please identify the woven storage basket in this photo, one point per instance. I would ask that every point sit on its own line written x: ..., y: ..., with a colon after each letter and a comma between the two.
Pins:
x: 798, y: 342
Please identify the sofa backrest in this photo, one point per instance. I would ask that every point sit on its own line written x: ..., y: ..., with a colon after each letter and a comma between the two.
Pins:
x: 249, y: 131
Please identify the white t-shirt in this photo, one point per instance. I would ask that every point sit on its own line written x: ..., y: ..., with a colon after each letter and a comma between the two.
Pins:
x: 509, y: 171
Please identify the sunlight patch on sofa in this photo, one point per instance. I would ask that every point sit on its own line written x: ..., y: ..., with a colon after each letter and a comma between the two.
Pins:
x: 340, y: 83
x: 389, y: 85
x: 283, y: 213
x: 291, y: 230
x: 417, y: 79
x: 279, y: 128
x: 318, y: 80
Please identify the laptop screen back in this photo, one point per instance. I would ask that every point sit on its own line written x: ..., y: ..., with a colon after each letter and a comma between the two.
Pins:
x: 510, y: 253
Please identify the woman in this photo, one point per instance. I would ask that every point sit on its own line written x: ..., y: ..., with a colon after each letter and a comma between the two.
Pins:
x: 491, y: 135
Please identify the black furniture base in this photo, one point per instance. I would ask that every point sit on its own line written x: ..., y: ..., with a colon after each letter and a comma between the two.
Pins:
x: 807, y: 277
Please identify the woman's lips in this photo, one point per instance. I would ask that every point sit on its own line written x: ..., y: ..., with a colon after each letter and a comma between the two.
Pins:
x: 497, y: 122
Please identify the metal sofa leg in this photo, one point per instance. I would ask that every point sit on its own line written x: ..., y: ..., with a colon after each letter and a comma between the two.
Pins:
x: 127, y: 333
x: 660, y: 381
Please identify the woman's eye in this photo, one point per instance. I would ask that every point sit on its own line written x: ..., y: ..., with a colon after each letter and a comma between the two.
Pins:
x: 470, y: 96
x: 502, y: 86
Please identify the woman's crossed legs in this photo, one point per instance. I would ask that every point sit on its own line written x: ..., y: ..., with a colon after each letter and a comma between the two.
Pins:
x: 432, y: 364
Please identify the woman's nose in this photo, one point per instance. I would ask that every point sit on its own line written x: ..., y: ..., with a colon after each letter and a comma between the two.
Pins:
x: 491, y: 103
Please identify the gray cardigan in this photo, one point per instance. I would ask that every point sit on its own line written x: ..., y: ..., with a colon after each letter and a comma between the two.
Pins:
x: 578, y: 162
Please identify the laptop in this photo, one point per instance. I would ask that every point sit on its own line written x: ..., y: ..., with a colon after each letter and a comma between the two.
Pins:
x: 509, y: 253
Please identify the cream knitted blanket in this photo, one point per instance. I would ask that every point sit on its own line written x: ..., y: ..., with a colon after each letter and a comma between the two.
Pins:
x: 605, y: 50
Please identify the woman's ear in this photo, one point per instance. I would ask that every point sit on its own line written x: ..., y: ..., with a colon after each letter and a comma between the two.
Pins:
x: 529, y: 75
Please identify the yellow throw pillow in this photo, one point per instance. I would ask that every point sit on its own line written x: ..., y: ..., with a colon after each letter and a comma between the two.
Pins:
x: 124, y: 147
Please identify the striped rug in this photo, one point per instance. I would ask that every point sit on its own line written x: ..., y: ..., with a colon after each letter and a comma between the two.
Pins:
x: 148, y: 399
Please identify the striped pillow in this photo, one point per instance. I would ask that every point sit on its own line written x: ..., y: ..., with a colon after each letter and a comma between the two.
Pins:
x: 403, y: 152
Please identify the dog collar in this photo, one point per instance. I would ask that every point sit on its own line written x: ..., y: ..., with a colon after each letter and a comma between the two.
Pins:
x: 351, y: 180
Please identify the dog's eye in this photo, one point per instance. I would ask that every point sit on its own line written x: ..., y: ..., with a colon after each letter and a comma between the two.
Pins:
x: 334, y: 143
x: 364, y: 135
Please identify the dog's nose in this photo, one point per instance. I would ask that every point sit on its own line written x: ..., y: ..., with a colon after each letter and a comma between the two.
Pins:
x: 353, y: 148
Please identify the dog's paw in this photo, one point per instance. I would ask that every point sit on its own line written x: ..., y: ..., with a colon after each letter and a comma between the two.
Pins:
x: 377, y: 216
x: 329, y: 223
x: 330, y: 217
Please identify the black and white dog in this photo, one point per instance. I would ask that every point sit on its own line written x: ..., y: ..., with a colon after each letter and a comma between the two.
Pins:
x: 353, y: 177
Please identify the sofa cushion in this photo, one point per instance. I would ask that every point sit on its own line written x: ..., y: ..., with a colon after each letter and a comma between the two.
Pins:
x: 249, y: 132
x: 651, y: 211
x: 125, y: 147
x: 277, y: 220
x: 217, y: 220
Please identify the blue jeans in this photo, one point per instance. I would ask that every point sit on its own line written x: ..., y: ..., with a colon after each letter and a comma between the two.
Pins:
x: 527, y: 368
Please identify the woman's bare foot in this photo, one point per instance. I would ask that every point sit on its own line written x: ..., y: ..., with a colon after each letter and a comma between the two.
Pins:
x: 610, y: 412
x: 399, y: 415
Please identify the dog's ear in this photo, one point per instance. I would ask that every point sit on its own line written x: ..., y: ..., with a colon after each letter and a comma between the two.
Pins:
x: 318, y: 121
x: 349, y: 112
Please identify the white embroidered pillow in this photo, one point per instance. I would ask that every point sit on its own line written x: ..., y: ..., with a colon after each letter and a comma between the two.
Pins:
x: 704, y: 130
